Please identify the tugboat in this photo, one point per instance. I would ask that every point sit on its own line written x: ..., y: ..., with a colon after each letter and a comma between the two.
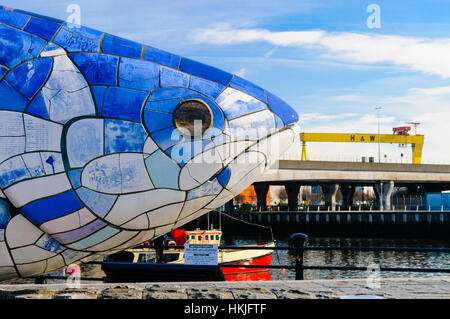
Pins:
x: 175, y: 256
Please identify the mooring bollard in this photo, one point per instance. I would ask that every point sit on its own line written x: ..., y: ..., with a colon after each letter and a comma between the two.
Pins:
x: 159, y: 248
x: 298, y: 241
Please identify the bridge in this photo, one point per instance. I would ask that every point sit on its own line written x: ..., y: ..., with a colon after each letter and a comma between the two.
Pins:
x: 345, y: 176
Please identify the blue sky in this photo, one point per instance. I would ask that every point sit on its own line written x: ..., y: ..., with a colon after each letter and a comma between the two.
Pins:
x: 320, y: 56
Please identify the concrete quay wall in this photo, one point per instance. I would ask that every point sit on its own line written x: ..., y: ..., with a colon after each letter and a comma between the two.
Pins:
x: 388, y: 288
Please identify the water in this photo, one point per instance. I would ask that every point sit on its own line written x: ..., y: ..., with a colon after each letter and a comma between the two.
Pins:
x: 357, y: 258
x: 335, y: 258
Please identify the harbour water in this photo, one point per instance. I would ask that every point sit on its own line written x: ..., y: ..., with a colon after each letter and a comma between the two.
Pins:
x: 357, y: 258
x: 334, y: 258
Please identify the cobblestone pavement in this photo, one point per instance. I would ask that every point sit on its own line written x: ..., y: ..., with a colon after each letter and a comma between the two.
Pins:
x: 424, y: 288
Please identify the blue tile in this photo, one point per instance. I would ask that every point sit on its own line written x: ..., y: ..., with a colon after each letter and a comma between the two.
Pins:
x: 282, y: 109
x: 168, y: 138
x: 38, y: 107
x: 51, y: 207
x: 48, y: 243
x: 163, y: 170
x: 123, y: 103
x: 10, y: 99
x: 224, y: 176
x: 183, y: 152
x: 205, y: 71
x: 99, y: 203
x: 5, y: 214
x: 167, y: 106
x: 3, y: 70
x: 12, y: 171
x: 123, y: 136
x: 249, y: 88
x: 83, y: 31
x: 36, y: 47
x: 138, y: 74
x: 14, y: 19
x: 94, y: 239
x: 171, y: 77
x: 171, y: 93
x: 99, y: 95
x: 218, y: 116
x: 156, y: 121
x: 42, y: 28
x: 75, y: 177
x: 162, y: 57
x: 30, y: 76
x: 73, y: 43
x: 17, y: 46
x: 235, y: 103
x: 99, y: 69
x: 208, y: 88
x: 119, y: 46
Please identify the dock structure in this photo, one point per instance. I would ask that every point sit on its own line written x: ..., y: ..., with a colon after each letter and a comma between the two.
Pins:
x: 412, y: 224
x: 388, y: 288
x: 418, y: 179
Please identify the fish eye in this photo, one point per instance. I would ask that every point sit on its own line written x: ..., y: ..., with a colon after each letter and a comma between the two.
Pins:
x: 192, y: 118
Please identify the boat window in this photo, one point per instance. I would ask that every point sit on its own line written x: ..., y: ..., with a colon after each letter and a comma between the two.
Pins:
x: 217, y: 237
x: 199, y: 237
x: 168, y: 257
x: 146, y: 258
x: 206, y: 237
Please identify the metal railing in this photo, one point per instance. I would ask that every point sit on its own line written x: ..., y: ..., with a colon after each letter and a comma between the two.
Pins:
x: 299, y: 247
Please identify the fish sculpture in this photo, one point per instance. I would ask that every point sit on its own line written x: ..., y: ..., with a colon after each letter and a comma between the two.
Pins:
x: 106, y: 143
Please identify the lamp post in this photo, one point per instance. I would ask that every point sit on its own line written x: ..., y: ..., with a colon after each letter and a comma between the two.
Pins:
x: 378, y: 108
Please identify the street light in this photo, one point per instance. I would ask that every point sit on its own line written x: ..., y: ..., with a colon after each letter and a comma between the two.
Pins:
x: 378, y: 108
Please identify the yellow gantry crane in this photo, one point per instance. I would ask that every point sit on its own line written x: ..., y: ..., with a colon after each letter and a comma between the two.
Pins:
x: 416, y: 141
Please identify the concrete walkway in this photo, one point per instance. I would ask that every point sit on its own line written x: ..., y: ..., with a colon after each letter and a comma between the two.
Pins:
x: 401, y: 288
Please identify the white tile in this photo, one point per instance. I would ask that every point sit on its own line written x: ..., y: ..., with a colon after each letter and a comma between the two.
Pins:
x: 224, y: 197
x: 21, y: 232
x: 190, y: 218
x: 194, y: 205
x: 11, y: 123
x: 30, y: 254
x: 103, y: 175
x: 276, y: 145
x: 164, y: 215
x: 52, y: 162
x: 149, y: 146
x: 5, y: 258
x: 253, y: 126
x: 140, y: 222
x: 54, y: 263
x: 10, y: 146
x: 143, y: 236
x: 127, y: 207
x: 207, y: 188
x: 134, y: 173
x: 72, y: 98
x: 84, y: 140
x: 68, y: 222
x: 8, y: 273
x: 114, y: 241
x: 42, y: 135
x: 201, y: 168
x: 163, y: 230
x: 33, y: 269
x: 27, y: 191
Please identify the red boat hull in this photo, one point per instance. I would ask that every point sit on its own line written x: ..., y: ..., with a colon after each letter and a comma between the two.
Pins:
x: 253, y: 274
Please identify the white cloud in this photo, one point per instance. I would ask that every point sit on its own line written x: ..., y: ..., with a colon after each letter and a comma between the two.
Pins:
x: 419, y: 54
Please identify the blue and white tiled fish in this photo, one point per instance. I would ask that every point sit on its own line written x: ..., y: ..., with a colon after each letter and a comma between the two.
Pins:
x: 106, y: 143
